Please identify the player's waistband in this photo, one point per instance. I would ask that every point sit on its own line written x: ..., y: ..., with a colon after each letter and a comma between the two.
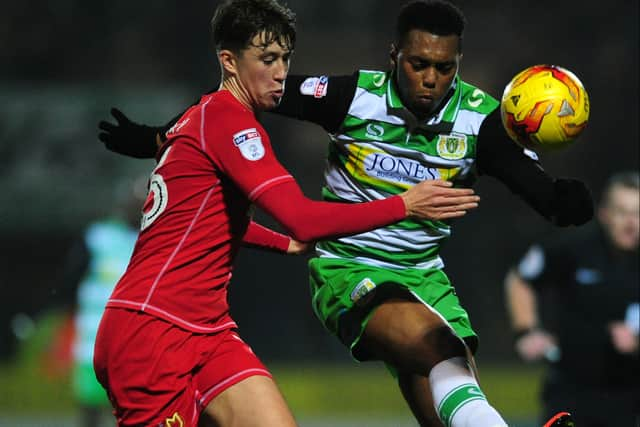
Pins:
x: 226, y: 323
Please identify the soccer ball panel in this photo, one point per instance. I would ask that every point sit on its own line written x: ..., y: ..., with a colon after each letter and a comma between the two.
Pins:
x: 544, y: 107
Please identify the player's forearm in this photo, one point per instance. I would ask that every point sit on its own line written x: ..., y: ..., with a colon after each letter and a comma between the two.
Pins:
x: 262, y: 237
x: 309, y: 220
x: 521, y: 303
x: 563, y: 201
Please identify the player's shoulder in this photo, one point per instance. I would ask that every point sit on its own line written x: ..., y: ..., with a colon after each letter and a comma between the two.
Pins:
x: 223, y: 104
x: 476, y: 99
x: 373, y: 81
x: 217, y: 114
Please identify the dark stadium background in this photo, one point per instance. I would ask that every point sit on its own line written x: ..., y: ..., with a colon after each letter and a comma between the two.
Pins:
x: 64, y: 63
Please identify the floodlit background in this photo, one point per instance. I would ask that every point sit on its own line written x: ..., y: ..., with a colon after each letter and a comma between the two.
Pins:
x: 63, y: 64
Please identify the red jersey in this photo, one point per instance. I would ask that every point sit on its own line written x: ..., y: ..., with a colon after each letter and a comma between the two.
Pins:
x: 217, y: 160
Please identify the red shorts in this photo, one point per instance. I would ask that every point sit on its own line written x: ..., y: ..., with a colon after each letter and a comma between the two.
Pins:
x: 157, y: 374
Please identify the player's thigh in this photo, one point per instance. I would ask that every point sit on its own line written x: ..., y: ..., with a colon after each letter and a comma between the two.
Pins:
x: 253, y: 402
x: 410, y: 336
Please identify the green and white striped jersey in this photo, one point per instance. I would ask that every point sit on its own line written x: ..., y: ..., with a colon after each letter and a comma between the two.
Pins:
x: 381, y: 150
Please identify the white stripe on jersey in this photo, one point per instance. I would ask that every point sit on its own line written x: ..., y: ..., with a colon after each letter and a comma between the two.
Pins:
x: 432, y: 263
x: 468, y: 122
x: 368, y: 106
x: 395, y: 240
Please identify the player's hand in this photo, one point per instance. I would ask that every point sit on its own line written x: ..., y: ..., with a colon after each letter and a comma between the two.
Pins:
x: 573, y: 202
x: 127, y: 137
x: 536, y: 345
x: 299, y: 248
x: 438, y: 200
x: 624, y: 340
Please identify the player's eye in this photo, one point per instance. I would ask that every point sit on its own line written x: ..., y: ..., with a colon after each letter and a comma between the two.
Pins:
x: 419, y: 65
x: 445, y: 67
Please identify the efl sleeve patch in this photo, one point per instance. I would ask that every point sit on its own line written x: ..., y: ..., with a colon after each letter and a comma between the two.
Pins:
x: 250, y: 144
x: 315, y: 86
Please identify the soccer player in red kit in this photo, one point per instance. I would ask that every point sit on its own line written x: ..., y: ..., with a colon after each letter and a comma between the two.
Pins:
x: 168, y: 352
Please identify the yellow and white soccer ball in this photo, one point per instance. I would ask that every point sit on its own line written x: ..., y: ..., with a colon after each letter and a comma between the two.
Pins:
x: 544, y: 107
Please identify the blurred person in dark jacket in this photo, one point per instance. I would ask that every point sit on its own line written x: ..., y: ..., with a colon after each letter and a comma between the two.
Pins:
x: 573, y: 301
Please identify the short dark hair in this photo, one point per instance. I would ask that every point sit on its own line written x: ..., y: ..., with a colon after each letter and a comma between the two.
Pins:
x: 626, y: 179
x: 236, y: 22
x: 438, y: 17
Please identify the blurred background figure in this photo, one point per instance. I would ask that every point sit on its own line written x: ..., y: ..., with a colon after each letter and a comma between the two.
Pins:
x: 100, y: 257
x: 573, y: 301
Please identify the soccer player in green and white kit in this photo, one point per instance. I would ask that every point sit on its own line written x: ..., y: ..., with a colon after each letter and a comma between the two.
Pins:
x: 384, y: 293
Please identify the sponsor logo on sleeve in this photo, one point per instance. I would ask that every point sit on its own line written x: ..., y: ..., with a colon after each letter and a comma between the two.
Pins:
x: 315, y: 86
x: 176, y: 127
x: 379, y: 79
x: 476, y: 98
x: 249, y: 143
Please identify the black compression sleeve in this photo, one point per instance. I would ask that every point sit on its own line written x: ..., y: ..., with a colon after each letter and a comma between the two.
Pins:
x: 326, y: 109
x: 500, y: 157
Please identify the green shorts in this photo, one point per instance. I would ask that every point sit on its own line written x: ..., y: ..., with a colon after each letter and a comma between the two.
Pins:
x: 345, y: 292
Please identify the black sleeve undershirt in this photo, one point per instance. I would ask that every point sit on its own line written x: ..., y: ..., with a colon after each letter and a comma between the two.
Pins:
x: 498, y: 156
x: 328, y: 110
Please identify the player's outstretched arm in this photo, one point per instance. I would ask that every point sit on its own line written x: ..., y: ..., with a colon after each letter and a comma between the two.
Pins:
x: 138, y: 140
x: 563, y: 201
x: 308, y: 220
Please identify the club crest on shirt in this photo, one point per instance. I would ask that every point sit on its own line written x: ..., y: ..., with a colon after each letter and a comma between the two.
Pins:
x: 452, y: 147
x: 249, y: 143
x: 315, y: 86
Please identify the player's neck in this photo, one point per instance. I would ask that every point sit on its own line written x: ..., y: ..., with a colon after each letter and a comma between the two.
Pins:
x: 238, y: 91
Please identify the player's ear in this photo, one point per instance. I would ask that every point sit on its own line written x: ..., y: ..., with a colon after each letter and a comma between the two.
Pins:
x: 228, y: 61
x: 393, y: 55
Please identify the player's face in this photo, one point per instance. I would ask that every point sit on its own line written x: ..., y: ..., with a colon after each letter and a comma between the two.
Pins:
x: 621, y: 217
x: 261, y: 72
x: 426, y: 65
